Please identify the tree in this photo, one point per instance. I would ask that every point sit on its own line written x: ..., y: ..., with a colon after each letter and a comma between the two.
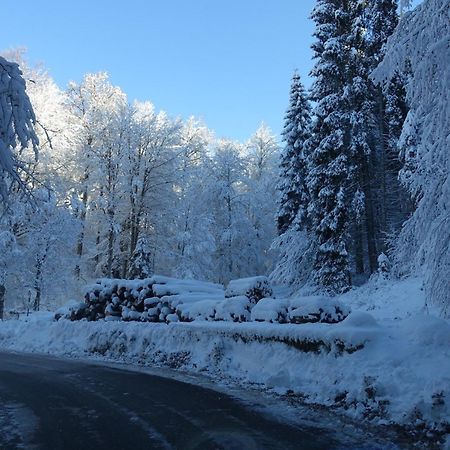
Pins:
x: 294, y: 195
x: 331, y: 166
x: 295, y: 241
x: 398, y: 205
x: 141, y: 261
x: 17, y: 121
x: 194, y: 245
x: 150, y: 175
x: 100, y: 112
x: 227, y: 200
x: 423, y: 244
x: 7, y: 248
x: 262, y: 155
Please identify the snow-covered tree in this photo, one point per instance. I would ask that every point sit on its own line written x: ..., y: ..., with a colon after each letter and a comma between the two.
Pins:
x: 397, y: 204
x: 193, y: 240
x: 17, y: 122
x: 421, y: 45
x: 262, y: 156
x: 294, y: 242
x: 7, y: 248
x: 294, y: 195
x: 151, y: 173
x: 227, y: 199
x: 100, y: 112
x: 142, y: 259
x: 330, y: 161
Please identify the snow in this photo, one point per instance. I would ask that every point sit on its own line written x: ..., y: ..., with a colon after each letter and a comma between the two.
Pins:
x: 384, y: 369
x: 269, y: 310
x: 253, y: 287
x: 235, y: 309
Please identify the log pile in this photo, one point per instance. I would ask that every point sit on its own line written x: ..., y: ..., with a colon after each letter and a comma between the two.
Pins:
x: 298, y: 310
x: 162, y: 299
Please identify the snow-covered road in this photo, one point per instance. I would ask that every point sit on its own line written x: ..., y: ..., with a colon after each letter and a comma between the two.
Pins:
x: 49, y: 403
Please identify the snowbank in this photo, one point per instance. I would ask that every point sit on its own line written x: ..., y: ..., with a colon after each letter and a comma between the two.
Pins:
x: 386, y: 370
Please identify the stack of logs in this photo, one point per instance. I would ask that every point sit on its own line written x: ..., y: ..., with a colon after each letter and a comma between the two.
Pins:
x: 163, y: 299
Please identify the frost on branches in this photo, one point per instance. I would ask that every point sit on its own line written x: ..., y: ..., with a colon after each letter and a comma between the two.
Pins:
x: 422, y: 42
x: 16, y: 123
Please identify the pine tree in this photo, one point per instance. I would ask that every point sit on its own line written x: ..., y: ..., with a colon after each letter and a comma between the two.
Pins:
x: 375, y: 186
x: 380, y: 21
x: 390, y: 199
x: 294, y: 197
x: 331, y: 167
x: 141, y: 262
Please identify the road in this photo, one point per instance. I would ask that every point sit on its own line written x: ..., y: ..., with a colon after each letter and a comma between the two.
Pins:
x: 49, y: 403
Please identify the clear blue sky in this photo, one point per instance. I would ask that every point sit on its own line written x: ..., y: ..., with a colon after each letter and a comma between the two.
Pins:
x: 228, y: 62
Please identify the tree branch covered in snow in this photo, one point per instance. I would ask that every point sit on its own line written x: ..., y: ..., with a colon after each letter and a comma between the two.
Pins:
x: 17, y: 122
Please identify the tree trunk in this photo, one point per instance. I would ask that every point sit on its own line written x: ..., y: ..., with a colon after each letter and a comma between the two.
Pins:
x: 359, y: 248
x: 370, y: 221
x: 2, y: 300
x: 37, y: 287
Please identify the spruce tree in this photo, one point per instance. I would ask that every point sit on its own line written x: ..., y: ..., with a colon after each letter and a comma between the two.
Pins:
x: 294, y: 195
x: 331, y: 167
x: 141, y: 263
x: 390, y: 200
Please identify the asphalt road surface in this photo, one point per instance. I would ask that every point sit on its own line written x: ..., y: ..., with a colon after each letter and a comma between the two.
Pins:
x: 49, y: 403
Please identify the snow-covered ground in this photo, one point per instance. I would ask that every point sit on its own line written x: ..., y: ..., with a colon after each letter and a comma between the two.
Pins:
x: 388, y: 362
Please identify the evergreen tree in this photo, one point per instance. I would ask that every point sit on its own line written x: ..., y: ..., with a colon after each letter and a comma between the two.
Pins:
x: 380, y: 20
x: 390, y: 109
x: 141, y: 263
x: 398, y: 204
x: 294, y: 197
x: 331, y: 167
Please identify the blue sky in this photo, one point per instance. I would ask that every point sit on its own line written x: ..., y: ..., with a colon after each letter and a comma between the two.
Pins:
x: 228, y: 62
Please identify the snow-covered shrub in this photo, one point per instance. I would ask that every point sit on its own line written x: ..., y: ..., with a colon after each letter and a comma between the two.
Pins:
x: 384, y: 265
x: 270, y: 310
x: 316, y: 309
x: 254, y: 288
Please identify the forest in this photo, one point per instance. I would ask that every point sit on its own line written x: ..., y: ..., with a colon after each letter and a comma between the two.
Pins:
x: 94, y: 185
x: 307, y: 271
